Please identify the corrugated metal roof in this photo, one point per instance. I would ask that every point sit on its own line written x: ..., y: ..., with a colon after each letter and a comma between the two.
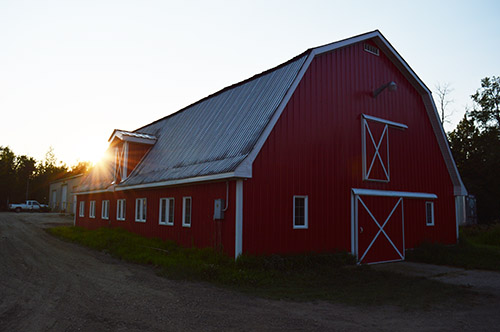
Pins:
x: 216, y: 134
x: 212, y: 136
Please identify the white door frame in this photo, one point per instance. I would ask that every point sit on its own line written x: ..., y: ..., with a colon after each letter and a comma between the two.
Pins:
x: 356, y: 192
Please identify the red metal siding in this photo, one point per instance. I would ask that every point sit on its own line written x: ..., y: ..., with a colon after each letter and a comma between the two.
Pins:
x: 315, y: 150
x: 135, y: 153
x: 204, y: 231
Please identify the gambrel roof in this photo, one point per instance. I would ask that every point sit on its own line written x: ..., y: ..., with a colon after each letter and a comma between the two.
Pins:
x: 220, y: 136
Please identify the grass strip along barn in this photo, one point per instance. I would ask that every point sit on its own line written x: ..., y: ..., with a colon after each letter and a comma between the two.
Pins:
x: 340, y: 148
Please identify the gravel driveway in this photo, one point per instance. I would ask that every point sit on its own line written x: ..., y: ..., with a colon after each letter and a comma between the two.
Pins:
x: 49, y: 285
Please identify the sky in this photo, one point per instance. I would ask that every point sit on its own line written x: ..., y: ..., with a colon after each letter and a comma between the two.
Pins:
x: 73, y: 71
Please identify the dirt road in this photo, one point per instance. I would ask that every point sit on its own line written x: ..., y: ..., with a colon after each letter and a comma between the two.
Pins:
x: 49, y: 285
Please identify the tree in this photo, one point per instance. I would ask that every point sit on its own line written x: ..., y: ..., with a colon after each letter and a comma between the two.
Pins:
x: 47, y: 171
x: 443, y: 93
x: 486, y: 111
x: 82, y: 167
x: 7, y: 175
x: 25, y: 171
x: 463, y: 142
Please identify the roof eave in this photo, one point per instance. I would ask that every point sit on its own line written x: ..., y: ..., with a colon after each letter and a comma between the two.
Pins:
x: 168, y: 183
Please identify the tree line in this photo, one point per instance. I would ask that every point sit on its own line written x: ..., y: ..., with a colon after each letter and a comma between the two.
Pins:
x: 23, y: 177
x: 475, y: 144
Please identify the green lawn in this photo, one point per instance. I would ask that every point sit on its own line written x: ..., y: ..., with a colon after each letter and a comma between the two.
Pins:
x: 333, y: 277
x: 478, y: 248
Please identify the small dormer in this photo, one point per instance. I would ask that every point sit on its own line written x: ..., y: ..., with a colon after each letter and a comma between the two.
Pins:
x: 129, y: 149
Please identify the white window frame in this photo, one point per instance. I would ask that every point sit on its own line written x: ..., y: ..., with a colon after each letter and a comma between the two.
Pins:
x: 141, y: 206
x: 92, y: 209
x: 429, y: 205
x: 306, y: 212
x: 366, y: 134
x: 105, y: 210
x: 187, y: 223
x: 165, y: 215
x: 120, y: 209
x: 81, y: 211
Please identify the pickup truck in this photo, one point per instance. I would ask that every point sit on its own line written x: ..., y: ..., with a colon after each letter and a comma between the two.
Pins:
x: 30, y: 205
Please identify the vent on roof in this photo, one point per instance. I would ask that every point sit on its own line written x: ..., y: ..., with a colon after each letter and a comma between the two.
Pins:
x: 371, y: 49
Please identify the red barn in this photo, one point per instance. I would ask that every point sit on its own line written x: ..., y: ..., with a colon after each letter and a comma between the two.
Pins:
x: 339, y: 148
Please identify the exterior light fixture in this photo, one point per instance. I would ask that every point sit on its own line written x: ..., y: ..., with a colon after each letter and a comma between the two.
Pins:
x: 391, y: 85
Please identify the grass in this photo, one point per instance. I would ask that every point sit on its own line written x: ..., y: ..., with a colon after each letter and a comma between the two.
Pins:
x: 478, y: 248
x: 332, y: 277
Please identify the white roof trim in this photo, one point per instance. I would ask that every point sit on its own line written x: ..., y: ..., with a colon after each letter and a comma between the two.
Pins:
x: 387, y: 122
x: 389, y: 193
x: 459, y: 189
x: 132, y: 137
x: 107, y: 190
x: 214, y: 177
x: 180, y: 181
x: 346, y: 42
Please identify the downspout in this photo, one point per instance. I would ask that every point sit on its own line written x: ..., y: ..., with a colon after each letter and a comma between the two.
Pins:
x: 238, y: 230
x: 227, y: 197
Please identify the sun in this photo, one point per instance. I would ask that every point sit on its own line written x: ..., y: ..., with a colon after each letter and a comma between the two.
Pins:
x: 95, y: 153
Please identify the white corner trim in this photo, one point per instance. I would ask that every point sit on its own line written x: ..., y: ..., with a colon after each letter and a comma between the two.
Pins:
x: 354, y: 226
x: 389, y: 193
x: 238, y: 229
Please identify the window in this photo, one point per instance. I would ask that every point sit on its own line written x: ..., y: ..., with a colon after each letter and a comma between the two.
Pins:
x: 105, y: 210
x: 92, y: 209
x: 120, y: 209
x: 140, y: 209
x: 429, y: 213
x: 186, y: 211
x: 81, y: 212
x: 300, y: 212
x: 166, y: 211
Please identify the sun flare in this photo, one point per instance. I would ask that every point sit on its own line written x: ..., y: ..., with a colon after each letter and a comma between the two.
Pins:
x: 96, y: 154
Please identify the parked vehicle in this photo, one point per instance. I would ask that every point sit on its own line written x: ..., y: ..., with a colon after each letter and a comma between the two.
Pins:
x: 30, y: 205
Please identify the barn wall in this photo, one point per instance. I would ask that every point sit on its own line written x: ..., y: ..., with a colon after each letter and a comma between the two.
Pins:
x: 204, y: 231
x: 315, y: 150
